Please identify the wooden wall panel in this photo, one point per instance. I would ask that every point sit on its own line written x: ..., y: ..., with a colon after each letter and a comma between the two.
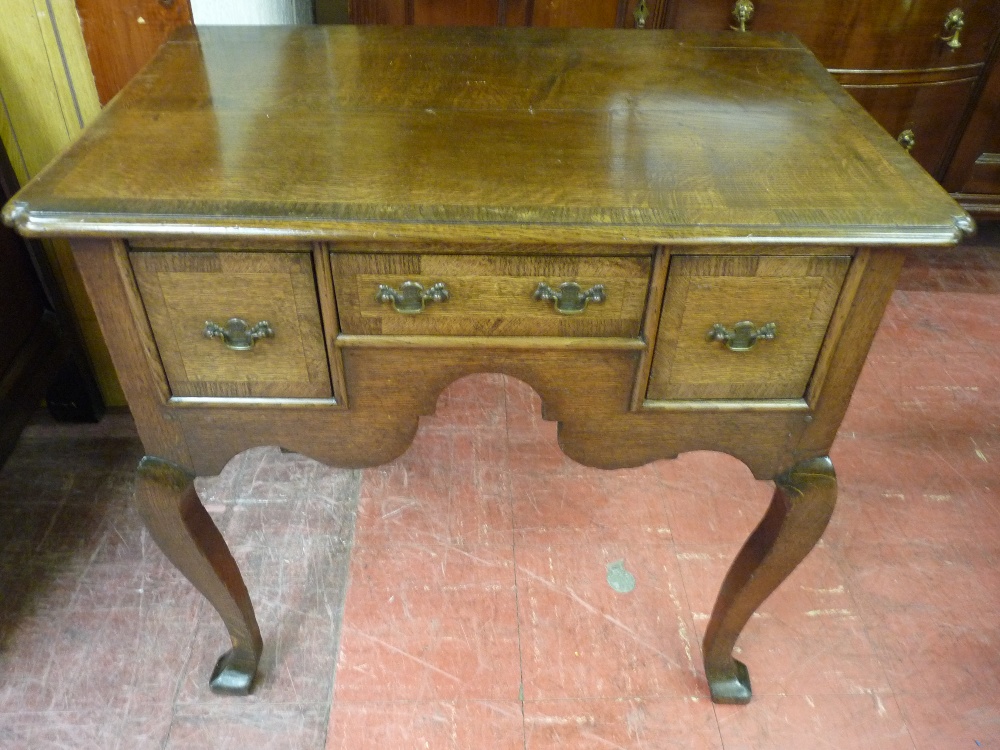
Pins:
x: 563, y: 13
x: 457, y: 12
x: 974, y: 173
x: 558, y: 13
x: 122, y: 36
x: 47, y: 96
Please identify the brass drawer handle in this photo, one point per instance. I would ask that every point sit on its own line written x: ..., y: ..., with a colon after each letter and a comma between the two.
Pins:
x: 743, y: 336
x: 237, y: 334
x: 411, y: 297
x: 907, y: 139
x: 641, y: 13
x: 743, y: 13
x: 570, y: 298
x: 954, y: 22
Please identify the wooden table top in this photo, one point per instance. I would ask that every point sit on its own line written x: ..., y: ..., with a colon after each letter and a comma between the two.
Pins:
x: 519, y: 135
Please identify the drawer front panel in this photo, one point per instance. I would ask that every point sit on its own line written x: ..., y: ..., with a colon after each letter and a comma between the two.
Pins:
x: 795, y: 293
x: 183, y: 290
x: 490, y: 295
x: 869, y: 35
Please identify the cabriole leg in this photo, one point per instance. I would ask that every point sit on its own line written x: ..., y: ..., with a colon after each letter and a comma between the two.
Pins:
x: 803, y: 501
x: 181, y: 527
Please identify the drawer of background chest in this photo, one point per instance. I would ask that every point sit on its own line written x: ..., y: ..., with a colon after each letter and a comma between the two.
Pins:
x: 279, y: 353
x: 490, y: 295
x: 852, y: 35
x: 736, y: 327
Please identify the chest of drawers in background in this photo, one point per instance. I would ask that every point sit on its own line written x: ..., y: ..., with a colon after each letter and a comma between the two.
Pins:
x: 918, y: 66
x: 915, y: 66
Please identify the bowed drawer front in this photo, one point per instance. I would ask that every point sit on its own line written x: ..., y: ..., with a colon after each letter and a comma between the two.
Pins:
x: 888, y: 35
x: 491, y: 295
x: 786, y: 301
x: 183, y: 292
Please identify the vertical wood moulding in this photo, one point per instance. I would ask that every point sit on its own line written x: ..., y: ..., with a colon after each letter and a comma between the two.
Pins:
x: 651, y: 323
x: 331, y: 320
x: 620, y: 15
x: 58, y: 57
x: 138, y: 312
x: 846, y: 299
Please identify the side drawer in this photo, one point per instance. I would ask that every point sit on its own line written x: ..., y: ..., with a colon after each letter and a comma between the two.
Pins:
x: 796, y: 294
x: 490, y: 295
x: 183, y: 291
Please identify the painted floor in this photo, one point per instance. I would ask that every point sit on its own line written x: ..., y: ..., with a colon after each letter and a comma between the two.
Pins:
x: 459, y: 597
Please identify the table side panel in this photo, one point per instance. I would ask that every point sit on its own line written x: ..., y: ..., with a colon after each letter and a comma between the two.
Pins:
x: 107, y: 275
x: 868, y: 288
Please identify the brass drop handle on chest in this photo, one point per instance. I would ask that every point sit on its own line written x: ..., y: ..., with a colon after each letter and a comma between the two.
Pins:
x: 569, y: 298
x: 743, y: 336
x: 743, y: 13
x: 954, y: 22
x: 907, y: 139
x: 411, y: 297
x: 237, y: 334
x: 641, y: 13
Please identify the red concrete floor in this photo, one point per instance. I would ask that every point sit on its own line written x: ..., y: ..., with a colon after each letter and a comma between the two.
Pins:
x: 478, y: 612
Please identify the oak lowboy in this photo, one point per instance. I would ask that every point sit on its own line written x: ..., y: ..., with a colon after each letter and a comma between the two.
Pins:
x: 680, y: 241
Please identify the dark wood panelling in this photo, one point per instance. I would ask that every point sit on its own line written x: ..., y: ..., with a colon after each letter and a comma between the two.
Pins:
x: 974, y: 173
x: 860, y: 34
x: 555, y: 13
x: 122, y: 36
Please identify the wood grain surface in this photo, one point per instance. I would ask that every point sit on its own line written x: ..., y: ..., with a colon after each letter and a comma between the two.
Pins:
x: 491, y: 160
x: 797, y: 294
x: 181, y: 291
x: 532, y: 135
x: 491, y: 295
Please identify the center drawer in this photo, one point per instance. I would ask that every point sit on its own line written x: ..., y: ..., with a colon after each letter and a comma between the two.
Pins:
x: 490, y: 295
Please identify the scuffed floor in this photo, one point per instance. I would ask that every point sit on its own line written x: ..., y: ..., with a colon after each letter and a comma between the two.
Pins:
x: 103, y: 644
x: 469, y: 606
